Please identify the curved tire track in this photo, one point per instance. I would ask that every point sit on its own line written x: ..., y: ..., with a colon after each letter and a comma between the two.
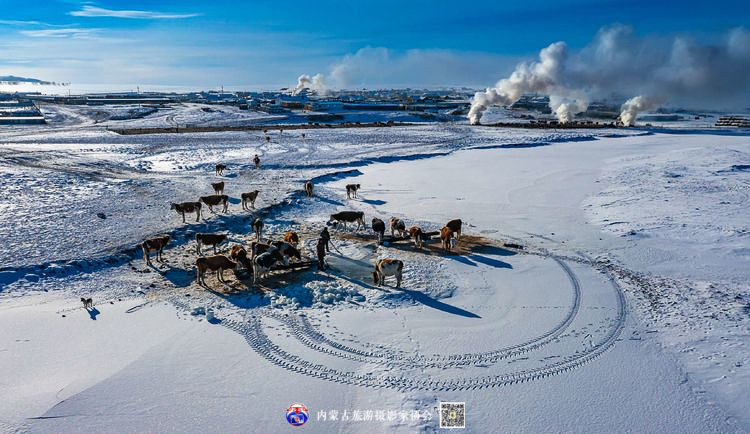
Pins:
x: 253, y: 331
x: 309, y: 336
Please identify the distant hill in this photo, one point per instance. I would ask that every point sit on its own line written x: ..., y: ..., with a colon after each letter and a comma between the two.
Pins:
x: 14, y: 79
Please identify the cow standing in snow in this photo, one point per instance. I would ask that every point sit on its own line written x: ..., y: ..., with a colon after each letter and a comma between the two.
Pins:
x: 455, y: 226
x: 209, y: 240
x: 378, y: 226
x: 292, y: 238
x: 262, y: 264
x: 157, y: 245
x: 351, y: 190
x: 218, y: 187
x: 215, y: 200
x: 217, y: 263
x: 187, y: 207
x: 397, y: 225
x: 446, y: 238
x: 388, y: 267
x: 349, y: 217
x: 416, y: 233
x: 250, y: 197
x: 258, y: 228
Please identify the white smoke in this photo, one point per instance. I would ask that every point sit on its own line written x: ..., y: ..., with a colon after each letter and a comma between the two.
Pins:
x: 565, y: 108
x: 635, y: 105
x: 676, y: 71
x: 542, y: 76
x: 315, y: 83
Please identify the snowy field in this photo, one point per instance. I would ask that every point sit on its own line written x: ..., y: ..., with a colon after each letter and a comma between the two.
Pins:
x: 626, y: 310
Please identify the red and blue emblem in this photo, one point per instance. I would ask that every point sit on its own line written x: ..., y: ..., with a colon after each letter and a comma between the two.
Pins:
x: 297, y: 414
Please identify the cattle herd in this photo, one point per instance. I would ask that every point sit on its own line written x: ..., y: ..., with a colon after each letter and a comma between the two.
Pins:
x: 262, y: 255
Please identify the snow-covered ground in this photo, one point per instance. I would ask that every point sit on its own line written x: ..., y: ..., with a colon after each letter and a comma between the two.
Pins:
x: 628, y: 308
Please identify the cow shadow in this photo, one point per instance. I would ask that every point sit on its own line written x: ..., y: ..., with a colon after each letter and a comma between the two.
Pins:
x: 374, y: 202
x: 360, y: 282
x: 329, y: 201
x: 489, y: 261
x: 93, y: 312
x: 428, y: 301
x: 462, y: 259
x: 493, y: 250
x: 179, y: 277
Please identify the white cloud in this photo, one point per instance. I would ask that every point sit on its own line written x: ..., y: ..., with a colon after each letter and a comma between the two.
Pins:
x: 383, y: 67
x: 22, y: 23
x: 59, y: 33
x: 93, y: 11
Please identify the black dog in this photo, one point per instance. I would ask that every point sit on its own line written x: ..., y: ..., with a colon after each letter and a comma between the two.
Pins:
x: 87, y: 303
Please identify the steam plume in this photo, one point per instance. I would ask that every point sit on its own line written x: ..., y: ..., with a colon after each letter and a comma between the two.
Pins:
x: 316, y: 83
x: 650, y: 71
x: 635, y: 105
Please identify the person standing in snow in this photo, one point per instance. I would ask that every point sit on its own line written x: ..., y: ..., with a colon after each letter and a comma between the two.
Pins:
x: 321, y: 249
x: 326, y: 238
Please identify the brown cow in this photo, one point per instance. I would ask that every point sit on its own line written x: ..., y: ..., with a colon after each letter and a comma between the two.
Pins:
x: 455, y: 226
x: 397, y: 225
x: 416, y: 233
x: 445, y: 238
x: 217, y: 263
x: 239, y: 254
x: 292, y: 238
x: 218, y: 187
x: 249, y: 197
x: 388, y: 267
x: 156, y: 244
x: 287, y: 250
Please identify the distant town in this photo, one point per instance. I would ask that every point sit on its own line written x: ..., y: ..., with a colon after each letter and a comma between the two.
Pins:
x: 306, y: 106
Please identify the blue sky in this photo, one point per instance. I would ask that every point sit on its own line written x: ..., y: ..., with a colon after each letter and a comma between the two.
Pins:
x: 270, y: 43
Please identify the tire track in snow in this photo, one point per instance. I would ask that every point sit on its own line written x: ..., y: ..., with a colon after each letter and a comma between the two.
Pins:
x: 251, y: 327
x: 311, y: 337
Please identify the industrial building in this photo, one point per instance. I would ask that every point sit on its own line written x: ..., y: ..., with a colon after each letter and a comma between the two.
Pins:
x: 19, y: 111
x: 733, y: 121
